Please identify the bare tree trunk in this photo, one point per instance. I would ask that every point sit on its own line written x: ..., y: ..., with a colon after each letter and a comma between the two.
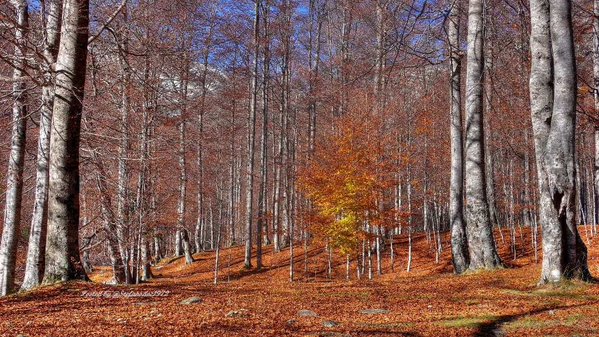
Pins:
x: 249, y: 223
x: 199, y: 245
x: 481, y: 244
x: 347, y: 266
x: 291, y: 252
x: 262, y: 197
x: 217, y: 255
x: 37, y: 241
x: 379, y: 257
x: 596, y: 97
x: 232, y: 180
x: 123, y: 203
x: 409, y: 195
x: 459, y: 245
x: 553, y: 110
x: 16, y: 161
x: 182, y: 230
x: 488, y: 109
x: 62, y: 245
x: 146, y: 273
x: 115, y: 253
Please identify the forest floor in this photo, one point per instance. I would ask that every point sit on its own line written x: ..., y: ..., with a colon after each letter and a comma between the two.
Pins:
x: 428, y: 301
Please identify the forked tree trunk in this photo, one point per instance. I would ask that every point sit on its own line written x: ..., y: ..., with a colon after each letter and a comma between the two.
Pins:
x: 16, y: 160
x: 481, y: 244
x: 62, y: 245
x: 459, y: 245
x: 553, y: 110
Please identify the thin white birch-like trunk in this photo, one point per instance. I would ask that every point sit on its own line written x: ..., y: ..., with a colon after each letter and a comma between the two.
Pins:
x: 16, y: 160
x: 251, y: 141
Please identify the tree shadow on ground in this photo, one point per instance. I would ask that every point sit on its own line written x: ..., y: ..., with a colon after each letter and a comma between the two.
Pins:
x: 493, y: 328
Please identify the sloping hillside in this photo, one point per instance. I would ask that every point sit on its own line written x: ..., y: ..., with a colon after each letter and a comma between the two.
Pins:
x: 428, y: 301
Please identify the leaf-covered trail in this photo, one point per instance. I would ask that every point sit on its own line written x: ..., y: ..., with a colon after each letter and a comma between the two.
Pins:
x: 429, y: 301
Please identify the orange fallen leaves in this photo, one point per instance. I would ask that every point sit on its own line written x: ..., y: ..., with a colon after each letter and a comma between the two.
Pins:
x: 430, y: 301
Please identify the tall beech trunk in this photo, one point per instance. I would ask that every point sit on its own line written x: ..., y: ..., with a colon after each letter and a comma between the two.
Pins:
x: 122, y: 203
x: 488, y: 109
x: 596, y: 97
x: 459, y: 244
x: 249, y: 220
x: 199, y: 245
x: 262, y: 197
x: 183, y: 234
x: 553, y: 113
x: 34, y: 267
x: 16, y: 160
x: 62, y: 241
x: 232, y: 179
x: 145, y: 183
x: 481, y: 244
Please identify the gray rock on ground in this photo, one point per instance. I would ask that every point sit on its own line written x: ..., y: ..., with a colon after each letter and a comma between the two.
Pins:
x: 241, y: 313
x: 307, y: 313
x: 191, y: 300
x: 330, y: 324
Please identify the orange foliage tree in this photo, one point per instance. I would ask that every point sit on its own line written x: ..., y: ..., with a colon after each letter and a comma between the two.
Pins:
x: 346, y: 181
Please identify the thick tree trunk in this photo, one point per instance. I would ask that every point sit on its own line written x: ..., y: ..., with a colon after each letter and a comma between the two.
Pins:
x: 62, y: 245
x: 553, y: 108
x: 146, y: 272
x: 459, y: 245
x: 16, y: 161
x: 37, y: 241
x: 481, y: 244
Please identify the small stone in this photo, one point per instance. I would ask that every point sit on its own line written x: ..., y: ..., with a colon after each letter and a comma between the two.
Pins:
x: 291, y: 322
x: 191, y: 300
x: 330, y: 324
x: 241, y: 313
x: 307, y: 313
x: 551, y: 312
x: 374, y: 312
